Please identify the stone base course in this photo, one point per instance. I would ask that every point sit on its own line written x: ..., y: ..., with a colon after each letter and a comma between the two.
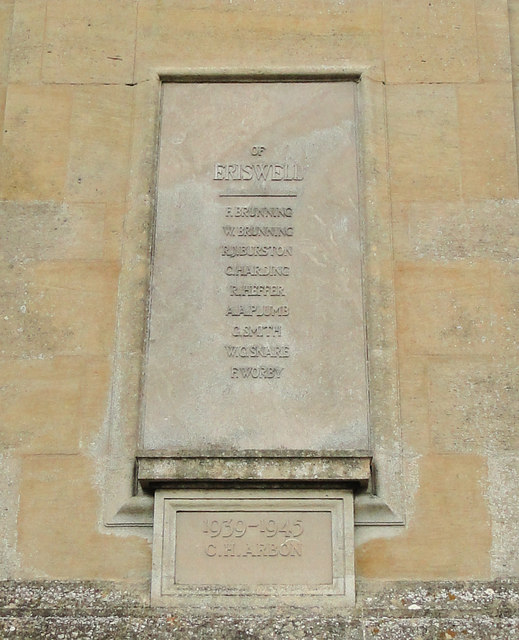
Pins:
x: 395, y: 611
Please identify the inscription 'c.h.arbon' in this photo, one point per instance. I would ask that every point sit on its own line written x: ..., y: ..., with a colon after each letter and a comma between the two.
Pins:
x: 256, y: 335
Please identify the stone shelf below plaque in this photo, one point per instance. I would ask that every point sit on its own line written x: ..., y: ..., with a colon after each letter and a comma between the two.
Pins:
x: 254, y: 467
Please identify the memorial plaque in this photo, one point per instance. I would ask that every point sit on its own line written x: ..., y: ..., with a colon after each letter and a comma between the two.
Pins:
x: 256, y: 543
x: 256, y: 331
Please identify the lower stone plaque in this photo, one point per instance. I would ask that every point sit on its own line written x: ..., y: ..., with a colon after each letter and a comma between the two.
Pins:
x: 283, y: 544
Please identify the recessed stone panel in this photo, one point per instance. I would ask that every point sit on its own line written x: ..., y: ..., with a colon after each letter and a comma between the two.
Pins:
x: 256, y: 333
x: 256, y: 543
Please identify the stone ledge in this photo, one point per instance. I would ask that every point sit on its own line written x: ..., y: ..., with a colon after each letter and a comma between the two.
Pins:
x: 394, y: 611
x: 254, y: 467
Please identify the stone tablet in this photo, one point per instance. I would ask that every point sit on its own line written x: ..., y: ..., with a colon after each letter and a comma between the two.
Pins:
x: 252, y: 543
x: 256, y: 329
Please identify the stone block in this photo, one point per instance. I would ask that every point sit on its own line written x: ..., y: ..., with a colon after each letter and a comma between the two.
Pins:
x: 423, y: 142
x: 58, y: 308
x: 442, y: 232
x: 448, y: 534
x: 41, y: 402
x: 58, y: 531
x: 101, y: 125
x: 474, y: 406
x: 33, y: 164
x: 443, y: 310
x: 504, y: 281
x: 259, y: 35
x: 504, y: 507
x: 430, y: 41
x: 493, y: 28
x: 28, y: 33
x: 6, y: 18
x: 9, y: 477
x: 414, y: 405
x: 487, y: 141
x: 89, y: 41
x: 51, y: 231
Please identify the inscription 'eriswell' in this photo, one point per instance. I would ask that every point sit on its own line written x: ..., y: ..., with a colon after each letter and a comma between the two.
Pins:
x: 261, y: 172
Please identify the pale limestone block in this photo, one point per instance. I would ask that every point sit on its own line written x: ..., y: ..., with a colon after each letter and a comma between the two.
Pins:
x: 89, y: 41
x: 493, y: 30
x: 414, y: 405
x: 449, y: 533
x: 513, y: 17
x: 504, y: 284
x: 95, y: 388
x: 474, y: 405
x: 6, y: 24
x: 41, y: 402
x: 423, y: 142
x: 444, y: 310
x: 429, y: 41
x: 3, y: 96
x: 27, y: 41
x: 263, y: 35
x: 33, y: 165
x: 58, y: 526
x: 113, y: 229
x: 504, y: 507
x: 58, y: 308
x: 51, y: 231
x: 460, y: 230
x: 487, y: 141
x: 9, y: 498
x: 100, y: 143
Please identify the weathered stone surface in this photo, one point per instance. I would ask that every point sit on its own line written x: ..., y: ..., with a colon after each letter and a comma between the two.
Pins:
x: 430, y: 41
x: 398, y: 611
x: 171, y: 34
x: 474, y: 406
x: 431, y: 547
x: 36, y: 138
x: 423, y: 142
x: 445, y: 310
x: 448, y: 232
x: 90, y: 42
x: 28, y: 32
x: 58, y: 525
x: 488, y: 157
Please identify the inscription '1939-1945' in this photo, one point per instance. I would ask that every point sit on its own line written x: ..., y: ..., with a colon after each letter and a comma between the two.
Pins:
x: 255, y: 538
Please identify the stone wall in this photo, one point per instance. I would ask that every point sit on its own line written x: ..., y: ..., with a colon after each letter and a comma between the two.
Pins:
x: 76, y: 83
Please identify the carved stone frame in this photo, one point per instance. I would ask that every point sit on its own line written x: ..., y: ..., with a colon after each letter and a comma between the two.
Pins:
x: 125, y: 503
